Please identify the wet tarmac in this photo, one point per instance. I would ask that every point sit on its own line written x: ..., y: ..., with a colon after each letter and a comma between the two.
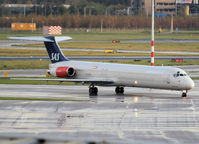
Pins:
x: 139, y: 116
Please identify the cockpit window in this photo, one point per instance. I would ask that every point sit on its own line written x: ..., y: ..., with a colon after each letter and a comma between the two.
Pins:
x: 179, y: 74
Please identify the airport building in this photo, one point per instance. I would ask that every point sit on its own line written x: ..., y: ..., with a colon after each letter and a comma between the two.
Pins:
x: 167, y: 7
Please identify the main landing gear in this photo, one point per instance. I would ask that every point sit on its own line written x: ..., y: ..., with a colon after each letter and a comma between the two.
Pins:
x: 119, y: 90
x: 93, y: 90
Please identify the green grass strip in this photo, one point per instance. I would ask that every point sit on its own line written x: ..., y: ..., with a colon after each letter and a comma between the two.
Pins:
x: 195, y: 78
x: 37, y: 99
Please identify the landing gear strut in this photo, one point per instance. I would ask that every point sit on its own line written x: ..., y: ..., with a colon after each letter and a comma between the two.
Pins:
x: 184, y: 94
x: 93, y: 90
x: 119, y: 90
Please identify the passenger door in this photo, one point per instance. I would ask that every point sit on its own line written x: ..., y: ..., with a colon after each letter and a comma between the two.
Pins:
x: 175, y: 80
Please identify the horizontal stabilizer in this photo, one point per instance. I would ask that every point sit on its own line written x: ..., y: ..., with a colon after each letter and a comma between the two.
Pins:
x: 42, y: 39
x: 51, y: 44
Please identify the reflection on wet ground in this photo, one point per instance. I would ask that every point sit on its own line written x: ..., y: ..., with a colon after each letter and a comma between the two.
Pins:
x: 139, y: 116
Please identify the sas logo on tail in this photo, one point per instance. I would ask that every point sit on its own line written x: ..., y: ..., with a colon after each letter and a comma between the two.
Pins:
x: 55, y: 56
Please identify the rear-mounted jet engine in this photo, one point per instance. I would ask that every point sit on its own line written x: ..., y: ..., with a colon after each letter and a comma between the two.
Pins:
x: 63, y: 72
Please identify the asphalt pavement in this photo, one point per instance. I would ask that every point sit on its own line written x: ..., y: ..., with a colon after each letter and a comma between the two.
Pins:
x: 139, y: 116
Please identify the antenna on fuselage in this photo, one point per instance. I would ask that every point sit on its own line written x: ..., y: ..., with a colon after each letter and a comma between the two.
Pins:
x: 152, y: 36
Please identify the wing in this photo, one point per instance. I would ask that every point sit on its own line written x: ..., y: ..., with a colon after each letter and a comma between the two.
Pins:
x: 93, y: 81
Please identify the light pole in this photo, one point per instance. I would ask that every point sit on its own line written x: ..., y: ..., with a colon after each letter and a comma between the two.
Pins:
x: 24, y: 10
x: 32, y: 24
x: 152, y: 36
x: 172, y: 23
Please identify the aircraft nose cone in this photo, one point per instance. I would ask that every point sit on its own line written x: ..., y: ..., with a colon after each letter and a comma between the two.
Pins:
x: 191, y: 84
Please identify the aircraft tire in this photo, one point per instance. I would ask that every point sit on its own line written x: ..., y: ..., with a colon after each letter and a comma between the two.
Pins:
x: 119, y: 90
x: 184, y: 94
x: 93, y: 91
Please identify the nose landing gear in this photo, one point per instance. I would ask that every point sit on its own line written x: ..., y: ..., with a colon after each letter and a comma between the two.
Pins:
x: 184, y: 93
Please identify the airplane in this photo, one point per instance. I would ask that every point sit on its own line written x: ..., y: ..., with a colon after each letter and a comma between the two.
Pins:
x: 110, y: 74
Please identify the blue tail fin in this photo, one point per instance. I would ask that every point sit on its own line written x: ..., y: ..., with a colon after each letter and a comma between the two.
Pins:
x: 54, y: 52
x: 52, y: 47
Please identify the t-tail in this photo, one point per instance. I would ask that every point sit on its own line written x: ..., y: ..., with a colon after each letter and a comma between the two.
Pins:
x: 52, y: 47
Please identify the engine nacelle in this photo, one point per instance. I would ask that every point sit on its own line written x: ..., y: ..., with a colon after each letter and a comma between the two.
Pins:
x: 63, y: 72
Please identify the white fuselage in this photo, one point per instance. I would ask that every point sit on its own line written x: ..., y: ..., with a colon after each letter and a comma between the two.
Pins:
x: 130, y: 75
